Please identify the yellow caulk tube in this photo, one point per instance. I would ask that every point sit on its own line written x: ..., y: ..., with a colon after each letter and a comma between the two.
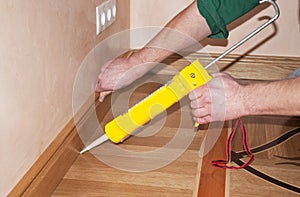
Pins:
x: 183, y: 83
x: 190, y: 78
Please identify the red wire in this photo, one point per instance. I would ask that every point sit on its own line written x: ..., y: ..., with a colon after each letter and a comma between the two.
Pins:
x: 224, y: 163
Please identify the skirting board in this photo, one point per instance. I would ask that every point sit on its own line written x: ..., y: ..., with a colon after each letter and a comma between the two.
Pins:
x: 44, y: 176
x: 251, y: 67
x: 51, y: 166
x: 47, y: 172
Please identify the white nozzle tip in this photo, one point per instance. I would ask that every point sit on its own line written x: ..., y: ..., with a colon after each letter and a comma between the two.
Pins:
x: 95, y: 143
x: 83, y: 151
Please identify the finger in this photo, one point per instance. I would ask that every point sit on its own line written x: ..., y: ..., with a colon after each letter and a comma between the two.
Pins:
x: 197, y: 93
x: 201, y: 102
x: 195, y: 104
x: 103, y: 95
x: 200, y: 112
x: 203, y: 120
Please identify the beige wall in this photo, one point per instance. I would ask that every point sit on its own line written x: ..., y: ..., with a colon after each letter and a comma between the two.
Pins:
x: 151, y: 13
x: 42, y: 46
x: 286, y: 42
x: 154, y: 12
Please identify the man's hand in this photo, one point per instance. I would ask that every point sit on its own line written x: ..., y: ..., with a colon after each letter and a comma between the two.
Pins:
x: 120, y: 73
x: 110, y: 75
x: 221, y: 99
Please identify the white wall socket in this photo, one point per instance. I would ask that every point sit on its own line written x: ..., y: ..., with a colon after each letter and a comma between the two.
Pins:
x: 105, y: 15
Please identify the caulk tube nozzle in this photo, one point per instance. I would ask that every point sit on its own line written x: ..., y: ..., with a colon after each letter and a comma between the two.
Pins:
x: 95, y: 143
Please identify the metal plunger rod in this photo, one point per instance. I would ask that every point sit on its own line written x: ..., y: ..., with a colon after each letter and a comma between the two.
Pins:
x: 249, y: 35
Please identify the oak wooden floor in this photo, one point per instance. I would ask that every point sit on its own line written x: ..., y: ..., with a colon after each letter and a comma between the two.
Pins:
x: 244, y: 184
x: 89, y: 176
x: 275, y: 142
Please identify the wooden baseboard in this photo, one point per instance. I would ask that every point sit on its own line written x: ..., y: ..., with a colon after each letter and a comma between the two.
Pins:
x: 47, y: 172
x: 252, y: 67
x: 66, y: 143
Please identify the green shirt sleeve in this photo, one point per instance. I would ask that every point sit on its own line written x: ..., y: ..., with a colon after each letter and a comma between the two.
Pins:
x: 219, y: 13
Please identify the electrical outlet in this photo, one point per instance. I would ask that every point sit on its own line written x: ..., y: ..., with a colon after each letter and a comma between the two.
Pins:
x: 105, y: 15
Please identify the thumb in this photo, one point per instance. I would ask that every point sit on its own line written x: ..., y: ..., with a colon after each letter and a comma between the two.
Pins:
x: 103, y: 95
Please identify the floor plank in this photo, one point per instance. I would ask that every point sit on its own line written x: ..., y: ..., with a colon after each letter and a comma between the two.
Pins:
x: 70, y: 187
x: 210, y: 176
x: 244, y: 184
x: 90, y: 177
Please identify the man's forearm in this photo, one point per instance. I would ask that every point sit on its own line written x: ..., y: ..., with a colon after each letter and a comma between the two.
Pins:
x: 190, y: 26
x: 274, y: 98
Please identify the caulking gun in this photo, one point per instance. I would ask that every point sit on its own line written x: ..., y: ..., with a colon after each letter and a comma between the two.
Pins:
x: 187, y: 80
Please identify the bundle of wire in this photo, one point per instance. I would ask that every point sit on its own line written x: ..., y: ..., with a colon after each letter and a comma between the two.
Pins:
x: 224, y: 163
